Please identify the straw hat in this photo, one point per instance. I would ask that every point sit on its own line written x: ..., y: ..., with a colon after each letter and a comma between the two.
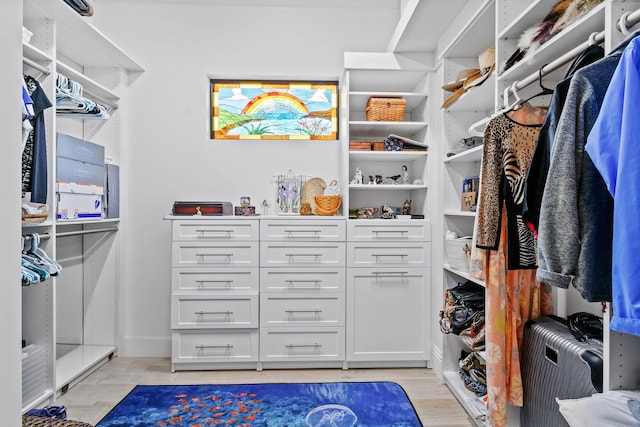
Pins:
x: 460, y: 78
x: 487, y: 61
x: 472, y: 76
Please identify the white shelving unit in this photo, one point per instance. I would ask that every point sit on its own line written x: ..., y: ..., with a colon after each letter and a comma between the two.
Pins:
x: 73, y: 316
x: 500, y: 23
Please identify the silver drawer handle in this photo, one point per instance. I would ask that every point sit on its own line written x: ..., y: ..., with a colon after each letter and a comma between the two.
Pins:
x: 201, y: 230
x: 401, y: 255
x: 291, y: 346
x: 389, y: 273
x: 292, y: 283
x: 390, y: 231
x: 302, y: 231
x: 292, y: 255
x: 203, y: 255
x: 316, y: 311
x: 202, y: 347
x: 202, y: 312
x: 202, y: 282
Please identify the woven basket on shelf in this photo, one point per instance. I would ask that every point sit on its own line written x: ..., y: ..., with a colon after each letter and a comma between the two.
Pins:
x: 36, y: 218
x: 386, y: 109
x: 327, y: 205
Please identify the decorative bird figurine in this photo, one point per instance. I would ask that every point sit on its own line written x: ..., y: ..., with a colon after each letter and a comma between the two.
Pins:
x: 395, y: 178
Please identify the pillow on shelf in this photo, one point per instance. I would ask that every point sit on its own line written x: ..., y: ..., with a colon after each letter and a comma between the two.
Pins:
x: 601, y: 409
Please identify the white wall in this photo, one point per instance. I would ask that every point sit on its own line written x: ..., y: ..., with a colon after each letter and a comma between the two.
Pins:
x: 169, y: 155
x: 10, y: 115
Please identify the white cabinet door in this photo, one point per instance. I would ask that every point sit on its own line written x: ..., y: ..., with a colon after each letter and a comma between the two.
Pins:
x: 387, y: 314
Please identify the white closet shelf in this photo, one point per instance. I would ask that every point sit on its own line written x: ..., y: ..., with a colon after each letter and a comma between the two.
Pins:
x: 365, y: 128
x: 468, y: 400
x: 572, y: 36
x: 473, y: 154
x: 80, y: 362
x: 91, y: 87
x: 463, y: 274
x: 467, y: 42
x: 77, y: 38
x: 530, y: 16
x: 383, y: 156
x: 392, y: 187
x: 35, y: 54
x: 459, y: 213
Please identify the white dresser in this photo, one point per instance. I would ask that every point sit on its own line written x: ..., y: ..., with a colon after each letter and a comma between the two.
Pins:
x: 388, y: 270
x: 215, y: 288
x: 302, y: 292
x: 299, y: 292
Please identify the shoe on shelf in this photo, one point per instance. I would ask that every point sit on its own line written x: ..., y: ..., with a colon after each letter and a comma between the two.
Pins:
x: 465, y: 144
x: 53, y: 412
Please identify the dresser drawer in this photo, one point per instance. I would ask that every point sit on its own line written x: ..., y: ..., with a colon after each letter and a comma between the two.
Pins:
x: 210, y: 254
x: 216, y: 230
x: 297, y: 280
x: 388, y: 230
x: 204, y: 311
x: 215, y: 346
x: 389, y: 254
x: 302, y: 230
x: 282, y: 344
x: 300, y: 254
x: 211, y: 280
x: 282, y: 309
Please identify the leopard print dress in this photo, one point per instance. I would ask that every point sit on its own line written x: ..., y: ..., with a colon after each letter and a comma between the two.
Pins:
x: 508, y: 150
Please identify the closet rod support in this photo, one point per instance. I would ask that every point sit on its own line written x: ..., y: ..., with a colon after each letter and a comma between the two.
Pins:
x: 33, y: 64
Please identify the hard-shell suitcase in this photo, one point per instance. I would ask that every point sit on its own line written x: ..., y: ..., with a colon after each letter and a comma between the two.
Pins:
x: 556, y: 365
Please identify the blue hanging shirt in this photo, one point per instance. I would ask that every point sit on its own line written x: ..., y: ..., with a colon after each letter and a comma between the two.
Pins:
x: 614, y: 146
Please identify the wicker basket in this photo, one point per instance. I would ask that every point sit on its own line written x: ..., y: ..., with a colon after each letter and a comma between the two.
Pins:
x: 327, y: 205
x: 386, y: 109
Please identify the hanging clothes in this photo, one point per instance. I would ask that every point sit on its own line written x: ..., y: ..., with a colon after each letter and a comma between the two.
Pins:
x: 34, y: 155
x: 576, y: 213
x: 537, y: 176
x: 506, y: 253
x: 613, y: 147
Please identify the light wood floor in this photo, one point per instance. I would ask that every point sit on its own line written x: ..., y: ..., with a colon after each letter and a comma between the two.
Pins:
x: 96, y: 395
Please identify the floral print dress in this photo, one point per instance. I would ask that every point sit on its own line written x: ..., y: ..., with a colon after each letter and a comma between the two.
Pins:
x: 513, y: 295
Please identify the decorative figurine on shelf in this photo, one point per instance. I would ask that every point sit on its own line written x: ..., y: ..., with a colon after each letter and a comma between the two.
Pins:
x: 305, y: 209
x: 357, y: 178
x: 265, y: 207
x: 406, y: 207
x: 379, y: 179
x: 405, y: 174
x: 371, y: 180
x: 394, y: 178
x: 388, y: 212
x: 198, y: 211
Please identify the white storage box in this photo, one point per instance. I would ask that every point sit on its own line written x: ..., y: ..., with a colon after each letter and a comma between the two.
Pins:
x: 79, y: 201
x: 458, y: 251
x: 34, y: 373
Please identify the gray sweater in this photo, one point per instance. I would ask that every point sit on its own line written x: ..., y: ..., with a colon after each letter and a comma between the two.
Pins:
x: 576, y: 215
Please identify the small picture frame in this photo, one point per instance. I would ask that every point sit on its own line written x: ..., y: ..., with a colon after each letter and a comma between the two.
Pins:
x: 245, y: 201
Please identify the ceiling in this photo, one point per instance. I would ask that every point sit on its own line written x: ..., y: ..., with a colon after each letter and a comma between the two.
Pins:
x: 416, y: 31
x: 429, y: 20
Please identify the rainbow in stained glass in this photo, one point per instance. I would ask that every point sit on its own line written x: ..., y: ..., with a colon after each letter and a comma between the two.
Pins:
x: 274, y: 110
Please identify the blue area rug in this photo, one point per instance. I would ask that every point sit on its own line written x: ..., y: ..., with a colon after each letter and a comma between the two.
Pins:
x: 360, y: 404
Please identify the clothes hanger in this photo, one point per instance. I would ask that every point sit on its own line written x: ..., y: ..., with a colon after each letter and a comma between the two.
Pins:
x: 544, y: 90
x: 508, y: 108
